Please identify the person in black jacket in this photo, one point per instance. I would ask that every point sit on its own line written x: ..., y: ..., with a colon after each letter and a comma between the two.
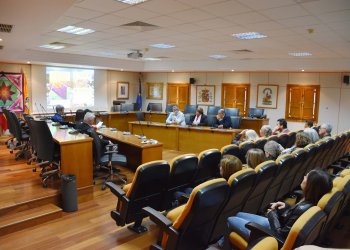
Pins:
x: 280, y: 216
x: 222, y: 120
x: 199, y: 119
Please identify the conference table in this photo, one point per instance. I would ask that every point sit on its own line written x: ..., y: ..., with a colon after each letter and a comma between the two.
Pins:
x: 76, y: 155
x: 132, y: 147
x: 191, y: 139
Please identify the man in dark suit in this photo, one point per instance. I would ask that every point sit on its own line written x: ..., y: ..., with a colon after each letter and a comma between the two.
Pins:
x: 199, y: 119
x: 222, y: 121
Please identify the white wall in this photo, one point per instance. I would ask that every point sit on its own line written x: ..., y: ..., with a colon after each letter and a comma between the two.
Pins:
x: 334, y: 95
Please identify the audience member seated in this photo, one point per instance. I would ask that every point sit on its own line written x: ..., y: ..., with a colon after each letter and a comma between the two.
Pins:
x: 176, y: 117
x: 280, y: 216
x: 222, y: 121
x: 265, y: 131
x: 229, y: 165
x: 254, y: 157
x: 199, y: 119
x: 301, y: 141
x: 272, y: 150
x: 245, y: 135
x: 59, y: 112
x: 325, y: 130
x: 309, y: 124
x: 281, y: 127
x: 312, y: 134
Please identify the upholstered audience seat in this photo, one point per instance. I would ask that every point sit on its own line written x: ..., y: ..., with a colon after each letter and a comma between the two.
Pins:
x: 300, y: 167
x: 291, y: 141
x: 260, y: 143
x: 244, y: 147
x: 267, y: 243
x: 190, y: 225
x: 208, y: 165
x: 231, y: 149
x: 147, y: 189
x: 283, y: 139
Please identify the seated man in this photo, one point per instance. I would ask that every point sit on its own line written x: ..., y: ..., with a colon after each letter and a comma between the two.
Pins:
x: 281, y: 127
x: 325, y: 130
x: 59, y: 112
x: 199, y: 119
x: 309, y: 124
x: 222, y: 121
x: 265, y: 131
x: 176, y: 117
x: 87, y: 126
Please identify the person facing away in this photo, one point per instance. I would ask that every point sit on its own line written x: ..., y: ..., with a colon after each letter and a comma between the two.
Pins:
x: 301, y: 141
x: 176, y: 117
x: 308, y: 124
x: 254, y: 157
x: 59, y: 112
x: 199, y: 119
x: 314, y: 137
x: 88, y: 122
x: 245, y: 135
x: 265, y: 131
x: 281, y: 127
x: 325, y: 130
x: 280, y: 216
x: 272, y: 150
x: 222, y: 121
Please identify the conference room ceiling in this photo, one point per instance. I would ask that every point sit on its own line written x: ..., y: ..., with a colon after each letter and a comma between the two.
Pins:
x: 197, y: 29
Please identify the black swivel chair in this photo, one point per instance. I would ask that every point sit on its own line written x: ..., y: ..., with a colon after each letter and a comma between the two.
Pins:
x: 169, y: 108
x: 107, y: 159
x: 46, y: 150
x: 236, y: 121
x: 140, y: 116
x: 79, y: 116
x: 232, y: 111
x: 156, y: 107
x: 213, y: 110
x: 190, y: 109
x: 211, y: 120
x: 21, y: 136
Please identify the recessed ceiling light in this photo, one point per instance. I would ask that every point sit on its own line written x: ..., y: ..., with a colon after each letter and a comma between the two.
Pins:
x: 121, y: 69
x: 249, y: 35
x: 303, y: 70
x: 51, y: 46
x: 0, y: 39
x: 232, y: 70
x: 217, y: 56
x: 76, y: 30
x: 172, y: 70
x: 162, y: 46
x: 300, y: 54
x: 132, y: 2
x: 151, y: 59
x: 28, y: 62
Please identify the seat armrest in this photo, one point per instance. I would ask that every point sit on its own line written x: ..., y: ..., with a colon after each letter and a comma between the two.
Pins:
x: 42, y: 163
x: 111, y: 152
x: 258, y: 231
x: 117, y: 191
x: 109, y: 147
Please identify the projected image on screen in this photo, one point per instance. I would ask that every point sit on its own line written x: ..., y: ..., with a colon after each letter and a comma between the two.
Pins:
x: 72, y: 88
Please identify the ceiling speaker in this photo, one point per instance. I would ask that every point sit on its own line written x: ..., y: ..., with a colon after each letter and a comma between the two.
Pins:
x: 192, y: 80
x: 346, y: 79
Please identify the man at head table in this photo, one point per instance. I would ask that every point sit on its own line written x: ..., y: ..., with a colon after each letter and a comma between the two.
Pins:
x: 176, y: 117
x: 222, y: 120
x: 59, y: 112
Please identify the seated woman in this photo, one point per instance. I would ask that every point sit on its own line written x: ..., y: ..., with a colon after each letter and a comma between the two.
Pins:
x: 199, y: 119
x: 272, y: 150
x: 281, y: 217
x: 245, y: 135
x: 301, y: 140
x: 254, y: 157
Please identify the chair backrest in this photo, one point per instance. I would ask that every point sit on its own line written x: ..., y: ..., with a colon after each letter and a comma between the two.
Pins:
x: 283, y: 139
x: 196, y: 222
x: 232, y: 111
x: 157, y: 107
x: 267, y: 242
x: 208, y: 165
x: 98, y: 148
x: 291, y: 141
x: 260, y: 143
x: 244, y: 147
x: 45, y: 145
x: 311, y: 159
x: 273, y: 138
x: 140, y: 116
x: 79, y: 115
x: 147, y: 189
x: 306, y: 229
x: 115, y: 108
x: 265, y: 174
x: 127, y: 107
x: 256, y: 112
x: 236, y: 122
x: 211, y: 120
x: 213, y: 110
x: 188, y: 118
x: 240, y: 184
x: 343, y: 185
x: 10, y: 124
x: 300, y: 159
x: 190, y: 109
x: 231, y: 149
x: 169, y: 108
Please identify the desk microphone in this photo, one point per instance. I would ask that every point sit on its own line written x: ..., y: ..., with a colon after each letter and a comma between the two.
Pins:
x: 44, y: 110
x: 37, y: 109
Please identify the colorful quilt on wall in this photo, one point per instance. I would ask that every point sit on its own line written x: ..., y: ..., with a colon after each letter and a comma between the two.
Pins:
x: 11, y: 91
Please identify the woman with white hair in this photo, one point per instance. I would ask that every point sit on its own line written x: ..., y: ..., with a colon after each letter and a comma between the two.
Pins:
x: 245, y: 135
x: 312, y: 134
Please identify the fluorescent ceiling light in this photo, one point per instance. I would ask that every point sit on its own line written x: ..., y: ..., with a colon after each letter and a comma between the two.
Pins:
x: 51, y: 46
x: 76, y: 30
x: 132, y: 2
x: 217, y: 56
x: 162, y: 46
x: 151, y: 59
x: 249, y: 35
x: 300, y: 54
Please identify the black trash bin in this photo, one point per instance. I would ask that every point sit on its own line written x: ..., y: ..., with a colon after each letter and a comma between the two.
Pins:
x: 69, y: 193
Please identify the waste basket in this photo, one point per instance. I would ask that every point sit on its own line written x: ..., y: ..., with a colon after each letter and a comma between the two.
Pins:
x: 69, y: 193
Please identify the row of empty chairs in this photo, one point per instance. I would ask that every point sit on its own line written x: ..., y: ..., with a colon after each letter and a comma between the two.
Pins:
x: 247, y: 190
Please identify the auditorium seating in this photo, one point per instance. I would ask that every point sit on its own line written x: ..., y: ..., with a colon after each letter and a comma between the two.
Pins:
x: 190, y: 109
x: 232, y: 111
x: 213, y: 110
x: 208, y: 165
x: 267, y: 242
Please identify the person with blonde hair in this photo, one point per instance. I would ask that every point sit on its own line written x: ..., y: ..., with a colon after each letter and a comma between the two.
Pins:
x: 254, y: 157
x: 229, y: 165
x: 301, y: 140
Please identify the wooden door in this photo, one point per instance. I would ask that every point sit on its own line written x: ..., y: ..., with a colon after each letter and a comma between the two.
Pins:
x: 228, y: 96
x: 178, y: 94
x: 236, y: 96
x: 242, y: 100
x: 295, y: 102
x: 308, y: 104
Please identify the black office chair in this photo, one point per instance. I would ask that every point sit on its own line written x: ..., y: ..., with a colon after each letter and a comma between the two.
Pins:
x: 169, y: 108
x: 47, y: 152
x: 156, y: 107
x: 188, y: 119
x: 211, y: 120
x: 32, y: 139
x: 127, y: 107
x: 232, y: 111
x: 236, y: 121
x: 21, y: 136
x: 190, y: 109
x: 79, y: 116
x: 213, y: 110
x: 107, y: 159
x: 140, y: 116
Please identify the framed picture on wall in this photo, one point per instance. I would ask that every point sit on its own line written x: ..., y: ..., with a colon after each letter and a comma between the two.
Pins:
x: 122, y: 90
x: 205, y: 95
x: 154, y: 90
x: 267, y: 96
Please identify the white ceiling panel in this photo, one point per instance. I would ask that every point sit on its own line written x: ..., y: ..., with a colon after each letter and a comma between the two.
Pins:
x: 165, y: 21
x: 285, y: 12
x: 246, y: 18
x: 300, y: 21
x: 226, y: 8
x: 263, y: 26
x: 266, y: 4
x: 191, y: 15
x: 111, y: 20
x: 102, y: 5
x: 94, y: 25
x: 324, y: 6
x: 214, y: 23
x: 199, y: 3
x: 82, y: 13
x: 135, y: 13
x: 164, y: 7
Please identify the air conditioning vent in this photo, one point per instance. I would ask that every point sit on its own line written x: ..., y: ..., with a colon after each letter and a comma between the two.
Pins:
x: 1, y: 47
x: 6, y: 28
x: 139, y: 26
x: 135, y: 55
x: 241, y: 51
